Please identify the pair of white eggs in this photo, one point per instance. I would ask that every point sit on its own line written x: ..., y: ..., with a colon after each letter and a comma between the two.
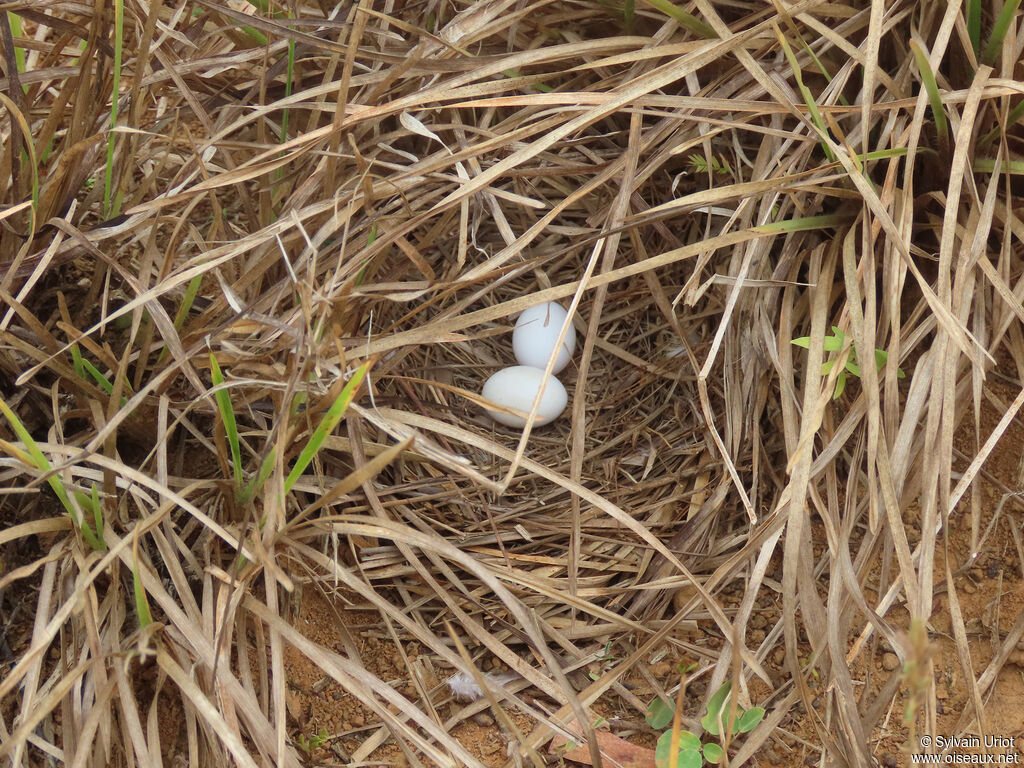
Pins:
x: 533, y: 342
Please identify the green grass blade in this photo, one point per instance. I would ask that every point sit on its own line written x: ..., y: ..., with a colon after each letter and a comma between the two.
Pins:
x: 227, y: 416
x: 187, y: 300
x: 37, y: 459
x: 999, y: 30
x: 97, y: 513
x: 261, y: 477
x: 98, y: 377
x: 684, y: 19
x: 932, y: 87
x: 324, y: 428
x: 141, y: 603
x: 803, y: 224
x: 1012, y: 117
x: 77, y: 362
x: 19, y: 53
x: 988, y: 165
x: 812, y: 105
x: 972, y: 8
x: 110, y: 206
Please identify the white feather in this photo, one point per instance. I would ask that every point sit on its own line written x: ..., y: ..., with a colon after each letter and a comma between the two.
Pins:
x: 465, y: 688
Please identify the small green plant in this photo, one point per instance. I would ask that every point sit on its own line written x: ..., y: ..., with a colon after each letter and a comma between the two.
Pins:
x: 225, y: 409
x: 689, y: 751
x: 313, y: 742
x: 835, y: 343
x: 700, y: 164
x: 82, y: 502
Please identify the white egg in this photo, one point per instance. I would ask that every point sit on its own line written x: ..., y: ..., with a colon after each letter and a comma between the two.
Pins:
x: 535, y: 335
x: 516, y: 387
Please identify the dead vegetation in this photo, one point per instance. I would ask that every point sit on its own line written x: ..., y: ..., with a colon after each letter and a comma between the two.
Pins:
x: 203, y: 199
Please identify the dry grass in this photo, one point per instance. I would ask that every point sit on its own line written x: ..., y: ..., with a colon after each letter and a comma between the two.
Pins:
x: 390, y: 184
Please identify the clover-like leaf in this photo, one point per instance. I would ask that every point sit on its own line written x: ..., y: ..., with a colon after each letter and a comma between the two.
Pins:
x: 748, y: 720
x: 710, y: 720
x: 713, y: 753
x: 688, y: 755
x: 659, y: 714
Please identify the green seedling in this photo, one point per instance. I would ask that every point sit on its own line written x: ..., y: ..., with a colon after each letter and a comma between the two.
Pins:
x: 227, y: 417
x: 812, y: 105
x: 688, y: 750
x: 74, y: 506
x: 684, y: 19
x: 999, y: 30
x: 700, y: 164
x: 316, y: 440
x: 932, y: 87
x: 835, y: 343
x: 19, y: 53
x: 308, y: 745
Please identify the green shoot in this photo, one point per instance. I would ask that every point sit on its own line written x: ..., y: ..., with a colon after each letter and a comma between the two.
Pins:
x: 35, y: 458
x: 227, y: 417
x: 717, y: 165
x: 187, y: 300
x: 261, y: 477
x: 972, y: 8
x: 19, y: 53
x: 684, y: 19
x: 141, y: 603
x: 1012, y: 117
x: 835, y: 343
x: 932, y: 87
x: 331, y: 419
x: 812, y: 105
x: 325, y: 427
x: 314, y: 742
x: 988, y: 165
x: 999, y: 30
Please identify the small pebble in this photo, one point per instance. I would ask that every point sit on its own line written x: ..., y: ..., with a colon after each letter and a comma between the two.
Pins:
x: 758, y: 621
x: 770, y: 755
x: 992, y: 571
x: 779, y: 657
x: 890, y: 661
x: 889, y: 760
x: 968, y: 587
x: 483, y: 719
x: 757, y: 636
x: 939, y: 709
